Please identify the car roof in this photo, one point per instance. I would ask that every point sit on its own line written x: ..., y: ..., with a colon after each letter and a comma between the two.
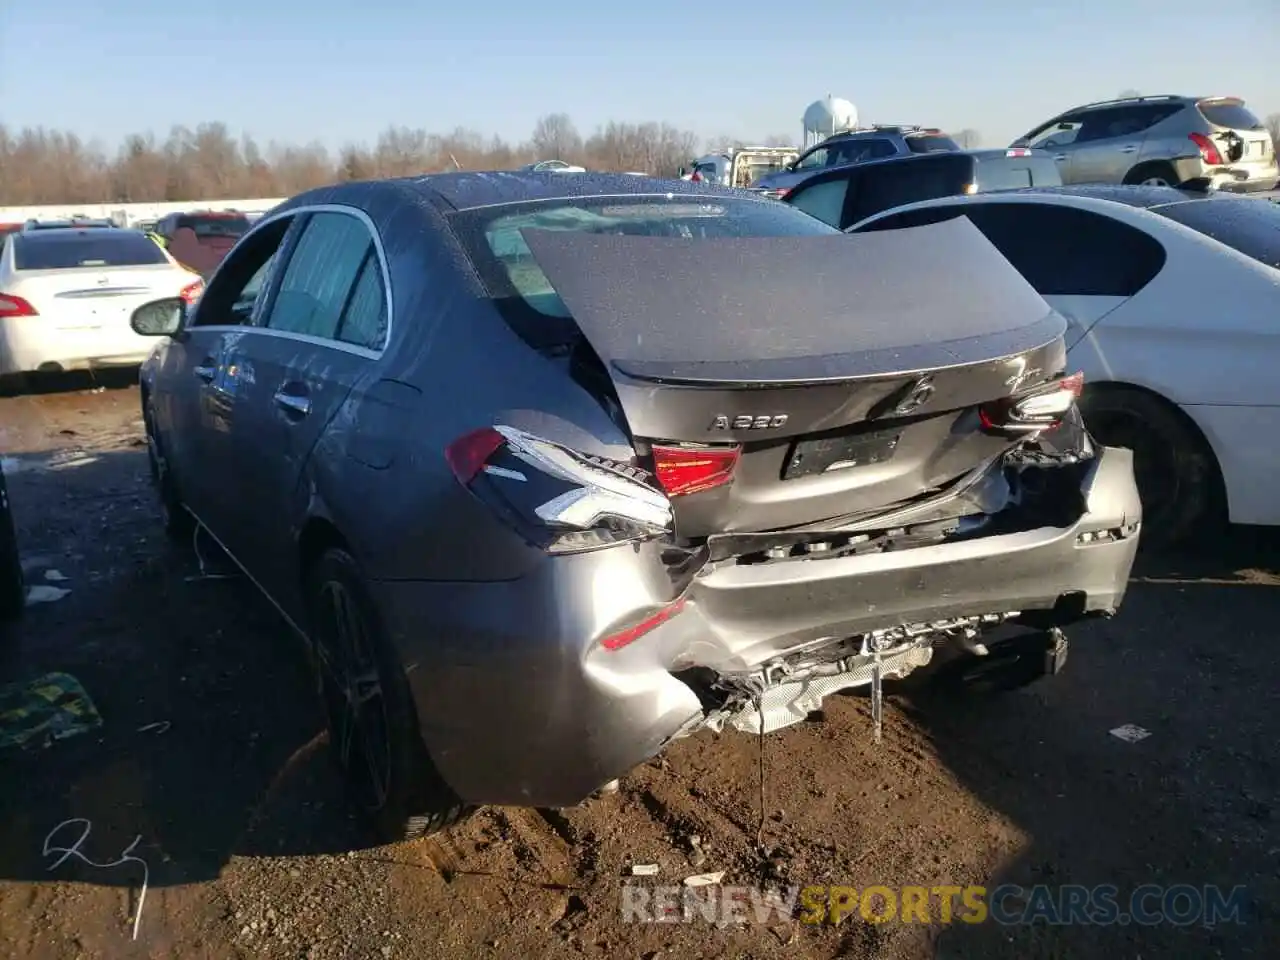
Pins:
x: 1145, y: 198
x: 468, y: 190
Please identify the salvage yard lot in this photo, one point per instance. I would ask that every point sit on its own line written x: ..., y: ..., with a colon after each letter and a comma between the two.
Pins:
x: 210, y: 752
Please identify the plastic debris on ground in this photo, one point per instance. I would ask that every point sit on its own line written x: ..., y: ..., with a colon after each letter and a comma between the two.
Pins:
x: 644, y: 870
x: 38, y: 712
x: 41, y: 593
x: 1130, y: 733
x: 704, y: 879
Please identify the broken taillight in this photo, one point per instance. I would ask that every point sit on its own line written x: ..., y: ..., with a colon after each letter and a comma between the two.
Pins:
x: 1208, y: 149
x: 557, y: 498
x: 1042, y: 408
x: 685, y: 470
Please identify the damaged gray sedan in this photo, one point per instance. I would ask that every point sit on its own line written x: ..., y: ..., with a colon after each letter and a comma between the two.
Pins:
x: 550, y: 471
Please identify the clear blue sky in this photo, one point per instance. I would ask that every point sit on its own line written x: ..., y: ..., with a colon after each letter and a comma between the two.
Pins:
x: 294, y: 71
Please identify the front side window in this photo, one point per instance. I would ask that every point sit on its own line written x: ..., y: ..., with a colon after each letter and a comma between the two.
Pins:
x: 320, y: 275
x: 1060, y: 133
x: 493, y: 240
x: 239, y: 288
x: 88, y: 249
x: 813, y: 159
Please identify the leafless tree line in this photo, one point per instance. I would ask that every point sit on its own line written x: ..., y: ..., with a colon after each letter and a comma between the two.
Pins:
x: 45, y: 166
x: 39, y: 165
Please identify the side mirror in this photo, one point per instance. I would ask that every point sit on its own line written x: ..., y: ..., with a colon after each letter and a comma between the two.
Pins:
x: 159, y: 318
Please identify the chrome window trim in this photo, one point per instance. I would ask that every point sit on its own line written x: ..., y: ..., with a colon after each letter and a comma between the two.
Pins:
x: 333, y: 343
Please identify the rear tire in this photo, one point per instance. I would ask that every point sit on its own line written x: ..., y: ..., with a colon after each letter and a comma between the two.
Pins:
x: 1178, y: 476
x: 373, y: 726
x: 1154, y: 175
x: 13, y: 591
x: 179, y: 524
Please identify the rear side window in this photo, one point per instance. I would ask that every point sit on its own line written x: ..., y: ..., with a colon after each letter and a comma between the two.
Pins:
x: 889, y: 185
x: 860, y: 151
x: 364, y: 318
x: 1012, y: 173
x: 320, y: 275
x: 215, y: 226
x: 1250, y: 226
x: 931, y: 144
x: 1058, y: 250
x: 1230, y: 113
x: 91, y: 248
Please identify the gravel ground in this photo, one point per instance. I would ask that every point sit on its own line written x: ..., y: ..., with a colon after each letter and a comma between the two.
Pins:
x: 211, y: 753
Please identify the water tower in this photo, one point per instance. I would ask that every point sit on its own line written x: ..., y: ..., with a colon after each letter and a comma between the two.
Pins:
x: 822, y: 118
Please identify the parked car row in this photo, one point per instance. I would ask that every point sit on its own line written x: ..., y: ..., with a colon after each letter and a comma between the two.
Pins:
x: 1163, y: 140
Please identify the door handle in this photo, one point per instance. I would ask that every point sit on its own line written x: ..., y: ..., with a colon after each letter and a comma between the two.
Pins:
x: 1060, y: 156
x: 206, y: 372
x: 1128, y: 149
x: 294, y: 403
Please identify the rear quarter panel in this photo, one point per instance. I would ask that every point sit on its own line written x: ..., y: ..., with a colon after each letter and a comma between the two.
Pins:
x: 1205, y: 334
x: 453, y: 365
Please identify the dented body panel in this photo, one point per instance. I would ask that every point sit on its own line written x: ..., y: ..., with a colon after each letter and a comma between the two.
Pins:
x: 522, y: 694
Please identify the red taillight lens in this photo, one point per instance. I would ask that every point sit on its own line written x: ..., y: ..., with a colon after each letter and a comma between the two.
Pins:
x: 191, y: 292
x: 616, y: 641
x: 468, y: 454
x: 781, y: 192
x: 1208, y: 149
x: 1041, y: 409
x: 685, y: 470
x: 557, y: 498
x: 11, y: 306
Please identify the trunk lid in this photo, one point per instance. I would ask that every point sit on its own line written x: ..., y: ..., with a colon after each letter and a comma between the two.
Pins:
x: 95, y: 297
x: 848, y: 368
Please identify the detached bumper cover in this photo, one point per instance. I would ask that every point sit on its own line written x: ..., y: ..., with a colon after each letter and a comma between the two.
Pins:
x: 519, y: 703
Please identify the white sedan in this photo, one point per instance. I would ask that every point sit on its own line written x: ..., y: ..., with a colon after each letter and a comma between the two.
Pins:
x: 66, y: 296
x: 1173, y: 303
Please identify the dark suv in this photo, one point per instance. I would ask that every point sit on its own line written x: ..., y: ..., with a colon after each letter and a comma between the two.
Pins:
x: 847, y: 195
x: 854, y: 147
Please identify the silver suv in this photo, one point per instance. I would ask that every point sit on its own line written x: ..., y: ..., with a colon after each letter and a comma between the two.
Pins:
x: 853, y: 147
x: 1160, y: 141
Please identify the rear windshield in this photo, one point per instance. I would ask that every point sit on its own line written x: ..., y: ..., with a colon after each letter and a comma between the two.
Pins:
x: 1013, y: 173
x: 1230, y: 113
x: 215, y: 226
x: 931, y: 144
x: 494, y: 242
x: 1251, y: 226
x: 88, y: 248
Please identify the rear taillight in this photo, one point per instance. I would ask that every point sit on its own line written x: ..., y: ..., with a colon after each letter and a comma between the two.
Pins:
x: 11, y: 306
x: 192, y: 291
x: 557, y: 498
x: 781, y: 192
x: 1042, y: 408
x: 1208, y: 149
x: 685, y: 470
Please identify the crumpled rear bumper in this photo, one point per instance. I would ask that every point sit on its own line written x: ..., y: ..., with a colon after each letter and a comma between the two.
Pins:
x: 520, y: 703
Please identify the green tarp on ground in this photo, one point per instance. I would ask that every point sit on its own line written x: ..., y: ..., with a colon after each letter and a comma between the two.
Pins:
x: 37, y: 712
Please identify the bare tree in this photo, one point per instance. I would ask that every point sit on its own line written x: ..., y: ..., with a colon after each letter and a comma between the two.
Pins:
x: 779, y: 140
x: 556, y: 138
x: 1128, y: 94
x: 968, y: 138
x: 1272, y: 124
